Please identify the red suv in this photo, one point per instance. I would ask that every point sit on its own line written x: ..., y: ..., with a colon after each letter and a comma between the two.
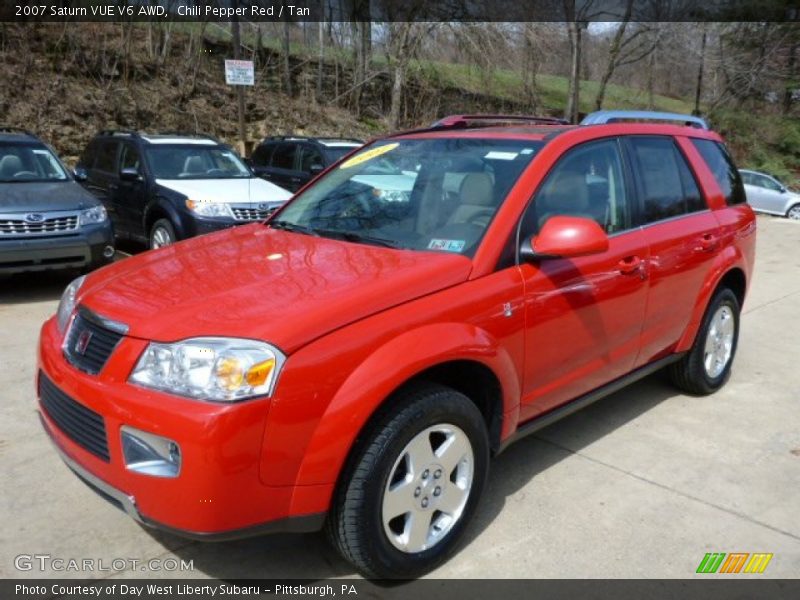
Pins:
x: 354, y: 362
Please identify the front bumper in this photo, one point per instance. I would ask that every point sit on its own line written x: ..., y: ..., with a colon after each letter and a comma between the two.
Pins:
x: 127, y: 503
x: 86, y: 248
x: 218, y: 494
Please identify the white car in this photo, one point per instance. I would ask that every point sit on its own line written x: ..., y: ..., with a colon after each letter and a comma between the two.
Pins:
x: 768, y: 195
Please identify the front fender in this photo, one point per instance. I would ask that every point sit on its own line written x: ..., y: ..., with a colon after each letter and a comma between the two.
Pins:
x: 318, y: 456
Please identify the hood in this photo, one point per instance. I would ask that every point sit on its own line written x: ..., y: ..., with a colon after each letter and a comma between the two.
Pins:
x: 44, y: 196
x: 251, y: 189
x: 261, y: 283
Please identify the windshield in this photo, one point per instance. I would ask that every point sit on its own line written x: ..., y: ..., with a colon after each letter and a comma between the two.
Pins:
x: 28, y: 163
x: 424, y: 194
x: 195, y: 161
x: 336, y: 152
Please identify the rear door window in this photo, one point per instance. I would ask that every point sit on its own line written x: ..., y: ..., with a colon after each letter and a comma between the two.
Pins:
x: 284, y: 156
x: 309, y: 157
x: 262, y: 155
x: 666, y: 184
x: 106, y: 159
x: 721, y: 166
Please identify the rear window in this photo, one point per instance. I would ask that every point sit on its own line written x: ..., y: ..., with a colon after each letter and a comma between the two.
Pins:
x: 721, y: 166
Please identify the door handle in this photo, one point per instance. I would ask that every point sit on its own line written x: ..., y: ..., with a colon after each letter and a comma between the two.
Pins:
x: 707, y: 243
x: 632, y: 265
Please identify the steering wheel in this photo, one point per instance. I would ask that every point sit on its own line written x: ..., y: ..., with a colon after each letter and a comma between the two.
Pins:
x: 215, y: 172
x: 24, y: 175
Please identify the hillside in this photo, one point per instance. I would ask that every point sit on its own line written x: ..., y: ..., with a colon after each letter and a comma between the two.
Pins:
x: 67, y: 81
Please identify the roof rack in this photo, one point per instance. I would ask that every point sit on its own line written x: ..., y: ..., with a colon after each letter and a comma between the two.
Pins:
x: 612, y: 116
x: 179, y: 133
x: 12, y: 129
x: 277, y: 138
x: 128, y: 132
x: 466, y: 120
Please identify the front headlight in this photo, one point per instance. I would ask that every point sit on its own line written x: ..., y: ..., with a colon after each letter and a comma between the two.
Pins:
x: 67, y: 304
x: 209, y: 209
x: 217, y: 369
x: 93, y: 215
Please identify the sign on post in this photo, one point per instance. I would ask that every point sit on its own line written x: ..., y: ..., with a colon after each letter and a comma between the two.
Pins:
x: 239, y: 72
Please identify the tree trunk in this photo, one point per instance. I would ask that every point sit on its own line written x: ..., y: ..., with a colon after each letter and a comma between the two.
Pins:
x: 651, y: 74
x: 397, y: 93
x: 792, y: 79
x: 573, y: 96
x: 699, y: 89
x: 321, y: 61
x: 613, y: 55
x: 287, y: 65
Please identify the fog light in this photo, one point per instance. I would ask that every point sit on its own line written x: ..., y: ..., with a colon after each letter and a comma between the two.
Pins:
x: 150, y: 454
x: 108, y: 251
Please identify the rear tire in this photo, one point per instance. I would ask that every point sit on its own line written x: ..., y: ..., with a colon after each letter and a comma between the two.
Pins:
x: 412, y: 485
x: 162, y: 234
x: 707, y: 365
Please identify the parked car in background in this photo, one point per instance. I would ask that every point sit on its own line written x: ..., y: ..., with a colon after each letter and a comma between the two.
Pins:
x: 293, y: 161
x: 354, y: 362
x: 167, y: 187
x: 47, y: 220
x: 768, y: 195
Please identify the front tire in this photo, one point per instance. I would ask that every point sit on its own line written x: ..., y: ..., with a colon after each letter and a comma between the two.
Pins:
x: 412, y: 485
x: 162, y: 233
x: 707, y: 365
x: 794, y: 213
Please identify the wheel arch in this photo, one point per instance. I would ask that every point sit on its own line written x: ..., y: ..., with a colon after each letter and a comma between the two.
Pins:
x: 460, y: 356
x: 161, y: 209
x: 728, y: 273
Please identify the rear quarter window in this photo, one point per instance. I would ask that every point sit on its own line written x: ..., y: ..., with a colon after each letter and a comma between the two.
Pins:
x: 721, y: 166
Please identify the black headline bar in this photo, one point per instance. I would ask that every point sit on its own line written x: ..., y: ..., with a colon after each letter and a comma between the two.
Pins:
x: 399, y: 10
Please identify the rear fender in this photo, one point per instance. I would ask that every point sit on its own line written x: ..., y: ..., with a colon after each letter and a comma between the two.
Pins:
x: 729, y: 258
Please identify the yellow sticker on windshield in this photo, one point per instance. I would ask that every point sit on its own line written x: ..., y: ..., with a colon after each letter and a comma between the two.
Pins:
x: 368, y: 155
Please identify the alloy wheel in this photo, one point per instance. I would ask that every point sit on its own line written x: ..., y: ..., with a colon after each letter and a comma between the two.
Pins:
x: 428, y: 488
x: 719, y: 341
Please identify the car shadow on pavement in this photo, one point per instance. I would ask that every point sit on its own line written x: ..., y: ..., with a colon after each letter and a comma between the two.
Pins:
x: 309, y: 556
x: 44, y: 286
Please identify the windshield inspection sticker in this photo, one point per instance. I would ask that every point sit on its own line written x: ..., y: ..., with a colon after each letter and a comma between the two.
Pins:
x: 368, y: 155
x: 497, y: 155
x: 448, y: 245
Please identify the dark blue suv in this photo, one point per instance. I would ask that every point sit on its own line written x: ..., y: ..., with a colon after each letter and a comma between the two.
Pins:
x: 161, y: 188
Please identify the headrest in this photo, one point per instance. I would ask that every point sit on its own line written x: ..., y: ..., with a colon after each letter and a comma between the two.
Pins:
x: 477, y: 189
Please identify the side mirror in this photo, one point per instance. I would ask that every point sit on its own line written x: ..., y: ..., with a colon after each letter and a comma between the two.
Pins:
x: 783, y: 189
x: 565, y: 237
x: 316, y: 169
x: 80, y: 174
x: 129, y: 174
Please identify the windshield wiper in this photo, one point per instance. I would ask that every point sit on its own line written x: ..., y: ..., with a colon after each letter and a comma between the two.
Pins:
x: 293, y: 227
x: 352, y: 236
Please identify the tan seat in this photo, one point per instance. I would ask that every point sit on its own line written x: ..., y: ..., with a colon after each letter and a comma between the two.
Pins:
x: 567, y: 193
x: 10, y: 166
x: 477, y: 203
x: 193, y: 165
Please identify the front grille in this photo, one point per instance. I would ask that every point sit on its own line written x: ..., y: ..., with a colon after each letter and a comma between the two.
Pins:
x: 81, y: 424
x: 56, y: 224
x: 252, y: 214
x: 89, y: 344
